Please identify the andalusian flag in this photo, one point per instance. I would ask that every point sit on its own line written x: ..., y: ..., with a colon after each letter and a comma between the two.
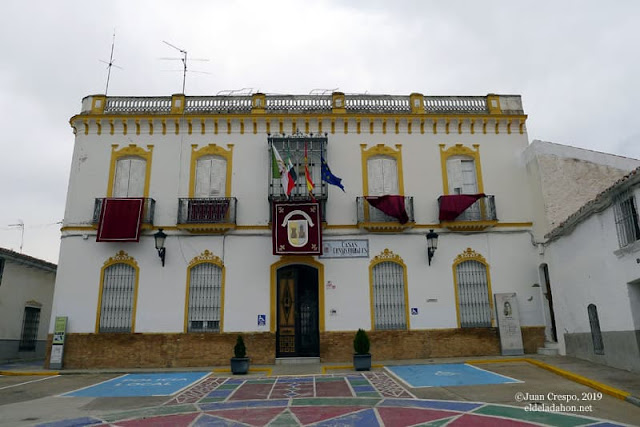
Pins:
x: 286, y: 173
x: 307, y: 175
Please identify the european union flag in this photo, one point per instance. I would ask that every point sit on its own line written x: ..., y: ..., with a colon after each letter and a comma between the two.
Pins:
x: 328, y: 177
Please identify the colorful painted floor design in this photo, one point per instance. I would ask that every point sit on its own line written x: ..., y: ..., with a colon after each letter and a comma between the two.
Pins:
x: 365, y: 399
x: 446, y: 374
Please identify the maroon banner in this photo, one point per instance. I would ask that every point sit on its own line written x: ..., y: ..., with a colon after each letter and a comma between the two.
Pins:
x: 120, y: 220
x: 297, y: 228
x: 453, y: 205
x: 392, y: 206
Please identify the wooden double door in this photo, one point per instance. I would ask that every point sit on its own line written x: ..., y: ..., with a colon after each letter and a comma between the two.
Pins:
x: 298, y: 333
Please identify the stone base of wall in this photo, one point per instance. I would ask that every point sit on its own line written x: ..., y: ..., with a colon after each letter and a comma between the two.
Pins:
x: 83, y: 351
x: 621, y: 348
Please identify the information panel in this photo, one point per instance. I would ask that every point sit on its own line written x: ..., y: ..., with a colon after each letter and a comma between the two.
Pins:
x: 509, y: 324
x: 57, y: 345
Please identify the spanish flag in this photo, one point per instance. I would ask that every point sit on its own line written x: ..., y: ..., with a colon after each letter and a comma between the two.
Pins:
x: 307, y: 175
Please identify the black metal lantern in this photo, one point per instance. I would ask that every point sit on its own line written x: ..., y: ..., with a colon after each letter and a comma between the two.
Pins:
x: 432, y: 244
x: 160, y: 237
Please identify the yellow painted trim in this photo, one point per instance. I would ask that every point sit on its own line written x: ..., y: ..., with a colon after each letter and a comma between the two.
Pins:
x: 389, y: 256
x: 80, y: 228
x: 381, y: 150
x: 205, y: 257
x: 211, y: 150
x: 120, y: 258
x: 30, y: 373
x: 460, y: 150
x: 253, y: 227
x: 468, y: 225
x: 291, y: 260
x: 471, y: 255
x: 514, y: 224
x: 341, y: 226
x: 130, y: 151
x: 611, y: 391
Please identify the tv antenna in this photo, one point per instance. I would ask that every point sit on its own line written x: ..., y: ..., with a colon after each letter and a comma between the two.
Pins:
x: 20, y: 225
x: 184, y: 62
x: 110, y: 63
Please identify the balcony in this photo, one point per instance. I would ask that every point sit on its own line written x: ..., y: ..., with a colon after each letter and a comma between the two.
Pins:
x: 147, y: 213
x: 374, y: 219
x: 211, y: 215
x: 477, y: 217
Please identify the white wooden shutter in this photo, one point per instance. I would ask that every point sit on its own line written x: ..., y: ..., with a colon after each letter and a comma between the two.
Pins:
x: 389, y: 176
x: 374, y: 175
x: 211, y: 177
x: 469, y: 181
x: 454, y: 175
x: 130, y: 177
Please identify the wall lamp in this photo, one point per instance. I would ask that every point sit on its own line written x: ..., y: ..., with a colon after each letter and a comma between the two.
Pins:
x: 160, y: 237
x: 432, y: 244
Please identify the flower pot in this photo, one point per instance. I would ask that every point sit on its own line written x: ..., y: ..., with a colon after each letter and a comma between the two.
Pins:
x: 362, y: 362
x: 239, y: 365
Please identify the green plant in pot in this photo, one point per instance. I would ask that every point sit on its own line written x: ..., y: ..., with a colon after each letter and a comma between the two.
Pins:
x: 240, y: 361
x: 362, y: 357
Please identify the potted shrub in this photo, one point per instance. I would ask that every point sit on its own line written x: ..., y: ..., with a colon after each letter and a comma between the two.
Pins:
x: 362, y: 357
x: 240, y: 361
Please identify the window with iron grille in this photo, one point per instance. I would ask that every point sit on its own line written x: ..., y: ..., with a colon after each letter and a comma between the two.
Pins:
x: 626, y: 217
x: 596, y: 333
x: 473, y: 295
x: 30, y: 323
x: 116, y: 311
x: 294, y: 148
x: 205, y: 303
x: 388, y: 296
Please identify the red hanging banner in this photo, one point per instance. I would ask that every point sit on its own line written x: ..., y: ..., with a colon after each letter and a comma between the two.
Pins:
x: 120, y: 220
x: 297, y: 228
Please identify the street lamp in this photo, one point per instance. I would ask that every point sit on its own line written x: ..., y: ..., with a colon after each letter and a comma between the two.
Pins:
x: 432, y: 244
x: 160, y: 237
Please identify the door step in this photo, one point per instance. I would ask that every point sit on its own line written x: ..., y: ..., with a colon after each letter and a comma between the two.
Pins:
x: 297, y: 360
x: 549, y: 349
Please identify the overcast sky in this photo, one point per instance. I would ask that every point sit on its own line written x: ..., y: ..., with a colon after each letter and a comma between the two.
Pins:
x: 575, y: 63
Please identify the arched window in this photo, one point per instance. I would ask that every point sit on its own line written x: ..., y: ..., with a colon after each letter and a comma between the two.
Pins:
x: 205, y: 281
x: 382, y: 175
x: 388, y: 292
x: 130, y: 171
x: 118, y: 292
x: 461, y: 171
x: 473, y: 290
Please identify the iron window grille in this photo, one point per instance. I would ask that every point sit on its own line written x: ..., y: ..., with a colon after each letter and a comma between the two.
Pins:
x: 388, y: 296
x: 147, y: 213
x: 116, y: 311
x: 30, y: 324
x: 473, y: 295
x: 205, y: 298
x: 626, y: 217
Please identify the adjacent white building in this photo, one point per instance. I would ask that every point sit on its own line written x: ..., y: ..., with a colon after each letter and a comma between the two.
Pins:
x: 203, y: 169
x: 593, y: 263
x: 26, y: 295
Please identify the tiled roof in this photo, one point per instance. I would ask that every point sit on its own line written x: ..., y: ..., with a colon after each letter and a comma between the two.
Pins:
x: 28, y: 260
x: 600, y: 202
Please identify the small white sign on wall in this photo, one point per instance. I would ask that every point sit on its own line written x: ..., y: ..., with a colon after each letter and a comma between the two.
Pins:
x: 351, y: 248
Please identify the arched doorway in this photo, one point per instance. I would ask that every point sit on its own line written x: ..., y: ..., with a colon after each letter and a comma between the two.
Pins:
x: 297, y: 311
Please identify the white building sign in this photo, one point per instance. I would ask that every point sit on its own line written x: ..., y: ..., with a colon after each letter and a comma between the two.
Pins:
x: 509, y: 324
x: 345, y: 248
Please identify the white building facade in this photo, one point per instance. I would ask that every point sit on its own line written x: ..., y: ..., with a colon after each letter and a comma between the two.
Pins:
x: 26, y: 295
x: 202, y: 169
x: 593, y: 262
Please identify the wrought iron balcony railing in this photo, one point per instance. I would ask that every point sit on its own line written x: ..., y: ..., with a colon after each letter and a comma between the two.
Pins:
x: 215, y: 210
x: 483, y: 209
x: 147, y: 213
x: 367, y: 214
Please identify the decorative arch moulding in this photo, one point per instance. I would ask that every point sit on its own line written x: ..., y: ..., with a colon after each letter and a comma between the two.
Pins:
x: 121, y: 258
x: 247, y: 123
x: 387, y: 255
x: 206, y: 256
x: 469, y: 255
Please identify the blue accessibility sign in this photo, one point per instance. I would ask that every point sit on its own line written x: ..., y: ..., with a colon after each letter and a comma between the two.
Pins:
x: 163, y: 384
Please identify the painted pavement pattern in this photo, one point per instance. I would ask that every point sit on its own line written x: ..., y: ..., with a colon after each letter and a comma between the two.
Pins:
x: 363, y: 399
